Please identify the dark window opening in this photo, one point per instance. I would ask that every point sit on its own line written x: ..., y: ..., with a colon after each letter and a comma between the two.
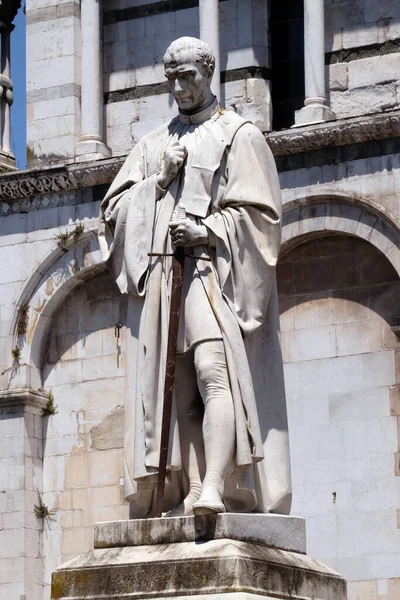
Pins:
x: 287, y: 54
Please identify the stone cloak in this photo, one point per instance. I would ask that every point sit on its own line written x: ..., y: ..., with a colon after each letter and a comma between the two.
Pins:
x: 234, y: 172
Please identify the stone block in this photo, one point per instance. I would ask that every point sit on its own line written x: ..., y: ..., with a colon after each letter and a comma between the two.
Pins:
x: 156, y: 106
x: 228, y: 35
x: 108, y: 366
x: 394, y: 29
x: 393, y: 588
x: 186, y: 19
x: 157, y: 24
x: 105, y: 467
x: 140, y: 128
x: 52, y: 71
x: 308, y: 411
x: 239, y: 58
x: 110, y: 432
x: 338, y: 76
x: 222, y: 568
x: 77, y: 471
x: 333, y: 40
x: 377, y: 69
x: 80, y: 498
x: 258, y: 105
x: 355, y: 37
x: 362, y: 101
x: 275, y: 531
x: 109, y: 495
x: 343, y: 13
x: 61, y: 374
x: 308, y: 344
x: 370, y: 403
x: 385, y: 565
x: 358, y: 338
x: 74, y: 541
x: 11, y: 571
x: 373, y: 11
x: 312, y: 311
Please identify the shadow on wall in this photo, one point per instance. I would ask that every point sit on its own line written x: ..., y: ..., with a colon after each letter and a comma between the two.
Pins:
x: 339, y: 267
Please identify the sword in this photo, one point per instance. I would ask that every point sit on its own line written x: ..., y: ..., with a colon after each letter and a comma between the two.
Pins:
x: 178, y: 259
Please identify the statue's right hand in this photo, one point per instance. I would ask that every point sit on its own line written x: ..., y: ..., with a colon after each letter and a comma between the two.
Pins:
x: 174, y: 156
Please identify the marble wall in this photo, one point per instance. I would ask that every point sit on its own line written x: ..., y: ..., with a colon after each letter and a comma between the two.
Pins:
x: 362, y: 57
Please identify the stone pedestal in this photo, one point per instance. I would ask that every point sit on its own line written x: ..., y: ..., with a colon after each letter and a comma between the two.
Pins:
x: 230, y: 556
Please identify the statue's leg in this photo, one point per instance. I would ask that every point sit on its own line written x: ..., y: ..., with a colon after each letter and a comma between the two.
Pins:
x: 190, y: 418
x: 218, y: 423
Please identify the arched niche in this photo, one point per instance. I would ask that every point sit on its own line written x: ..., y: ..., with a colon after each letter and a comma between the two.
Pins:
x: 339, y: 301
x: 47, y: 288
x: 319, y: 215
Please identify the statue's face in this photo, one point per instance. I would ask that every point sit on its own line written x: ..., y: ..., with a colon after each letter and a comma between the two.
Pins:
x: 187, y: 82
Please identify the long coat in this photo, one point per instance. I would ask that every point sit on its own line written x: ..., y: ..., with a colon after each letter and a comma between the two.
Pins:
x: 230, y: 182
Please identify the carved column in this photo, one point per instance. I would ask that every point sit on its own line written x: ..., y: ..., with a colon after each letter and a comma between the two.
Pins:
x: 7, y: 160
x: 209, y: 32
x: 315, y: 109
x: 91, y: 145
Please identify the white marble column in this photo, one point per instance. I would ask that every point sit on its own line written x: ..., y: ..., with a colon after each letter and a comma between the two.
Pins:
x: 315, y: 109
x: 7, y: 160
x: 209, y: 32
x: 91, y: 145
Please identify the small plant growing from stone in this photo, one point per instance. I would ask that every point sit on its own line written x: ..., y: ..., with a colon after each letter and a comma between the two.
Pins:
x: 22, y: 319
x: 41, y: 510
x: 62, y: 239
x: 16, y: 353
x: 77, y: 232
x: 50, y: 408
x: 74, y: 235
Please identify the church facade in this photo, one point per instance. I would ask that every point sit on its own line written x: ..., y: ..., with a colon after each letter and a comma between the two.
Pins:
x: 322, y: 82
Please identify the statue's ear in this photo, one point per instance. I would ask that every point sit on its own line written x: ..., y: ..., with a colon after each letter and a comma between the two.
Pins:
x: 209, y: 70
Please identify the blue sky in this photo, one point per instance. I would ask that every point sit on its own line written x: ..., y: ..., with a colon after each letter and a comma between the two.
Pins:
x: 18, y: 76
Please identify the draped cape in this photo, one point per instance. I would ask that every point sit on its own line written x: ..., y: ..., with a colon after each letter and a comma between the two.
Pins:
x: 231, y: 185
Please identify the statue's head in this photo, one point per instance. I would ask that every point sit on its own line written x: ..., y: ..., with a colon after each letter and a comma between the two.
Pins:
x: 189, y: 66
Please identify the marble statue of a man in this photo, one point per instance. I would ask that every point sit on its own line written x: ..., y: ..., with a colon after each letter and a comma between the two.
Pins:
x: 206, y: 181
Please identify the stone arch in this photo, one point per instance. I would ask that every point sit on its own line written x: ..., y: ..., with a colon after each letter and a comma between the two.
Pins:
x: 320, y: 215
x: 52, y: 281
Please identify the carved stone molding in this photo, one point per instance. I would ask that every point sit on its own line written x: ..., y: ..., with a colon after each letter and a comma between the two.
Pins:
x: 23, y: 400
x: 336, y: 133
x: 55, y: 180
x: 96, y: 173
x: 58, y: 179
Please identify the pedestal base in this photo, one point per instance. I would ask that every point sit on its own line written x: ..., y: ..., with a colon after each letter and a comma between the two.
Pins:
x: 92, y: 150
x: 258, y: 561
x: 7, y: 162
x: 313, y: 113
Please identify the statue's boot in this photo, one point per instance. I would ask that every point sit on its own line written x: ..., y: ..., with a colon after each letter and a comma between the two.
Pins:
x: 210, y: 502
x: 185, y: 508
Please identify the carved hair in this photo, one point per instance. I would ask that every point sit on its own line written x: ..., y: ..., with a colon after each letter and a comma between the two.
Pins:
x: 203, y: 53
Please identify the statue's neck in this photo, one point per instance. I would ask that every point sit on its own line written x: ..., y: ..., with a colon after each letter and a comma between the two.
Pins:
x: 204, y: 113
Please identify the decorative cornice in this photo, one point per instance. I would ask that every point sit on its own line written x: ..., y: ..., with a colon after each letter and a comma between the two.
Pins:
x: 335, y: 133
x: 23, y: 400
x: 65, y: 179
x: 24, y: 184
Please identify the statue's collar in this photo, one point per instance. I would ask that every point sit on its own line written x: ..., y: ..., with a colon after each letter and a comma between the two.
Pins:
x: 202, y: 115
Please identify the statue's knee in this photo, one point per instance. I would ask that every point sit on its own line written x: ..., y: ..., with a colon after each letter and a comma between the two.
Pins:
x: 206, y: 370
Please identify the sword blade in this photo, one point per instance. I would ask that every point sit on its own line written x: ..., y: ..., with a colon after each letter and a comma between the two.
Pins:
x: 173, y: 327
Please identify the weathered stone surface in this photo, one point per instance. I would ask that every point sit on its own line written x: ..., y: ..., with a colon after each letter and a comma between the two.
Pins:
x: 276, y: 531
x: 219, y: 568
x: 363, y: 100
x: 338, y: 76
x: 110, y: 432
x: 378, y: 69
